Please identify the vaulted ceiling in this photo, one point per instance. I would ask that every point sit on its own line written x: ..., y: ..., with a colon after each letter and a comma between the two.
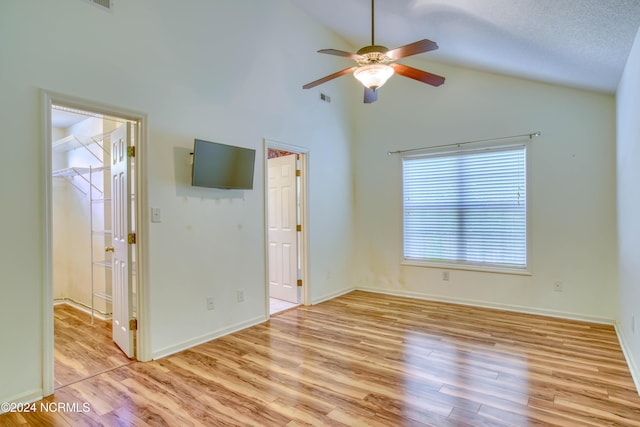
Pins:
x: 577, y: 43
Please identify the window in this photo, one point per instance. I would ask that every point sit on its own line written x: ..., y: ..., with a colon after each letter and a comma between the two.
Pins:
x: 466, y: 208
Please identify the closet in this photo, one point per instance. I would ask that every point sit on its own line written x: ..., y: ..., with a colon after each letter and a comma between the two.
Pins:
x: 93, y: 242
x: 82, y: 216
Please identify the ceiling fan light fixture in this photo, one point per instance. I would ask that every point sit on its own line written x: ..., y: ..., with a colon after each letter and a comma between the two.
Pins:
x: 373, y: 76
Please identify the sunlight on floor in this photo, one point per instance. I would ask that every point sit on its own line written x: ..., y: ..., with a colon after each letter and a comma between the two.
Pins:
x: 277, y: 305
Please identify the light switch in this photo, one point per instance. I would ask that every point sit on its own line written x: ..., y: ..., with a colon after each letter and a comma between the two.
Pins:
x: 156, y: 215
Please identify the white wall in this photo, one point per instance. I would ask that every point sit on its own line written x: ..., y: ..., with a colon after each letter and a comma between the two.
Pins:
x: 218, y: 70
x: 628, y: 159
x: 572, y: 188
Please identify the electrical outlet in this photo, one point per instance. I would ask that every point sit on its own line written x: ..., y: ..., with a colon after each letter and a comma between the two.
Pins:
x: 240, y: 295
x: 445, y: 276
x: 211, y: 304
x: 557, y: 286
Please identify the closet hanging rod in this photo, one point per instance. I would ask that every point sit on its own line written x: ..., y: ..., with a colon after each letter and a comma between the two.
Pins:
x: 458, y: 144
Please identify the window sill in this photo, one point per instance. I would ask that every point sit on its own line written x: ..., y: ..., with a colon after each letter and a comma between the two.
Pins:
x: 468, y: 267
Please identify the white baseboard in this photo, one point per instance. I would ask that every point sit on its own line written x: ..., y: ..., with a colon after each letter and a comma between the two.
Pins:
x: 167, y: 351
x: 81, y: 307
x: 635, y: 372
x: 332, y: 295
x: 27, y: 397
x: 488, y: 304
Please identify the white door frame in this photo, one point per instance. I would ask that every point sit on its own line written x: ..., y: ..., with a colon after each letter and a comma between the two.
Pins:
x: 142, y: 310
x: 304, y: 216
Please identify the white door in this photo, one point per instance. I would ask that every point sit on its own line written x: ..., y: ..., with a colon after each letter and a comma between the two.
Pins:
x: 121, y: 265
x: 282, y: 220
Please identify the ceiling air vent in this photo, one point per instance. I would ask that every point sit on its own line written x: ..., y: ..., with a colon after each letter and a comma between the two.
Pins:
x: 102, y: 4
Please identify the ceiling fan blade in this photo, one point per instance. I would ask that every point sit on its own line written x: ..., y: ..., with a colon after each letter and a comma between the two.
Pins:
x: 329, y: 77
x: 342, y: 53
x: 370, y: 95
x: 412, y: 49
x: 421, y: 76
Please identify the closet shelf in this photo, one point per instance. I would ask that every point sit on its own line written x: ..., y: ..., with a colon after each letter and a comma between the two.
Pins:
x: 77, y: 171
x: 103, y: 295
x: 107, y: 264
x: 101, y: 232
x: 104, y: 263
x: 72, y: 142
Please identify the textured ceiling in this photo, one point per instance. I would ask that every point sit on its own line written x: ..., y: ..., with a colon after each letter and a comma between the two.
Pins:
x: 578, y: 43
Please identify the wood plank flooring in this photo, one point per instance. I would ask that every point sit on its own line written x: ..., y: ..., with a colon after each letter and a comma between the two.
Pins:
x: 82, y: 350
x: 371, y: 360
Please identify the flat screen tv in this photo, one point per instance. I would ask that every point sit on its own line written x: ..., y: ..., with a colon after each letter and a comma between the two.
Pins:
x: 222, y: 166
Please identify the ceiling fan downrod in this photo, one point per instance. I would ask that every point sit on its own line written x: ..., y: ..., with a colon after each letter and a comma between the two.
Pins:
x: 372, y: 25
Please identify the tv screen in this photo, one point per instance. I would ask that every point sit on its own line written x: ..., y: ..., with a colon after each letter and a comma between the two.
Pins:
x: 222, y: 166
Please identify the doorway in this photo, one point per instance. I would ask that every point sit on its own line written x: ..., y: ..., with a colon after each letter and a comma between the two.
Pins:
x: 285, y: 218
x: 92, y: 197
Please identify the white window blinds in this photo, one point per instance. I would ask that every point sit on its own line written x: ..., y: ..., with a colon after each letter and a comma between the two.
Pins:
x: 466, y: 207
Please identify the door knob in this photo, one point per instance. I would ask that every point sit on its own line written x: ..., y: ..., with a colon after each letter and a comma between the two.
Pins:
x: 109, y: 249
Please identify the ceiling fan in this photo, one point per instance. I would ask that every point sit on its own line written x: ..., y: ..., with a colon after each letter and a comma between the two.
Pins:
x: 377, y: 63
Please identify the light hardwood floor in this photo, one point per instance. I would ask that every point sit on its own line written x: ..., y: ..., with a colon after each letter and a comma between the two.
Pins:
x: 82, y: 349
x: 372, y: 360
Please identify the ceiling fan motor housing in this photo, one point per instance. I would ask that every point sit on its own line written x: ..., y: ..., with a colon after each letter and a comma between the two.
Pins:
x: 374, y: 54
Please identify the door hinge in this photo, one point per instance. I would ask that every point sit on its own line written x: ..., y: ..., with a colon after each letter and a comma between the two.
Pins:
x: 131, y: 239
x: 131, y: 151
x: 299, y: 282
x: 133, y: 324
x: 298, y: 227
x: 298, y: 173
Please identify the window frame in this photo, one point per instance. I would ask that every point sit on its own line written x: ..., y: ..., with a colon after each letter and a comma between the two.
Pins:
x: 463, y: 265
